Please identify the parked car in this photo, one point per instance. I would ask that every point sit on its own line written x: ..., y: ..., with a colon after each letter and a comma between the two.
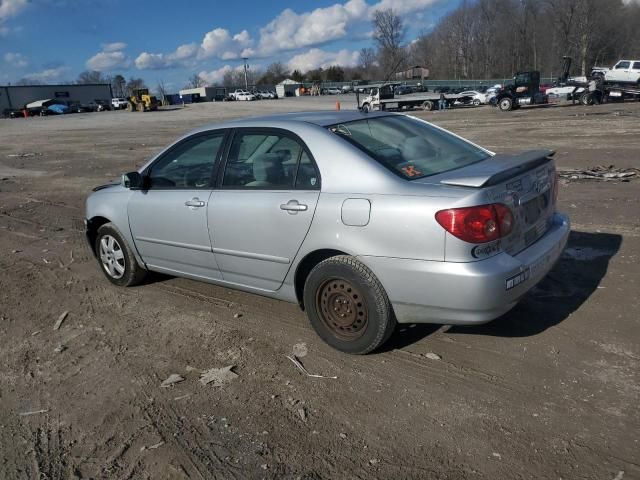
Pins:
x: 413, y: 224
x: 242, y: 95
x: 332, y: 91
x: 119, y: 103
x: 476, y: 98
x: 267, y: 95
x: 347, y: 89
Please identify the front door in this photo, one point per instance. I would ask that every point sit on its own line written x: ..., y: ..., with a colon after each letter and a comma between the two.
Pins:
x: 263, y: 209
x: 168, y: 219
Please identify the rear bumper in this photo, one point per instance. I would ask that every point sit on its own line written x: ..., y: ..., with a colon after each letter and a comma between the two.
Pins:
x: 467, y: 293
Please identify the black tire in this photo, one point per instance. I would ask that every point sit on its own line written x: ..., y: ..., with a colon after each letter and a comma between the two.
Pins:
x: 505, y: 104
x: 366, y: 108
x: 586, y: 99
x: 131, y: 274
x: 350, y: 287
x: 427, y: 105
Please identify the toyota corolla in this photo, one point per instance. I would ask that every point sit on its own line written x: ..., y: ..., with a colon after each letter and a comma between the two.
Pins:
x: 364, y: 220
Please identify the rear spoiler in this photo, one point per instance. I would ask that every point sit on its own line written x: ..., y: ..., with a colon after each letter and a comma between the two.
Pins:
x: 497, y: 169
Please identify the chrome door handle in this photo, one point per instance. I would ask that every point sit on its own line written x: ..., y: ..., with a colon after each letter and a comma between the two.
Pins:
x: 194, y: 203
x: 292, y: 207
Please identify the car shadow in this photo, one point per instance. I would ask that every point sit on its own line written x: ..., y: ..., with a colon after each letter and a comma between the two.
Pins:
x: 574, y: 278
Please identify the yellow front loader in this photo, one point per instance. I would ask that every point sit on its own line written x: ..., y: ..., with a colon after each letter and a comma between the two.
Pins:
x: 141, y: 101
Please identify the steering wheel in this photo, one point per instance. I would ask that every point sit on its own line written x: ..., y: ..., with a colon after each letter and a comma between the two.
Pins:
x: 197, y: 176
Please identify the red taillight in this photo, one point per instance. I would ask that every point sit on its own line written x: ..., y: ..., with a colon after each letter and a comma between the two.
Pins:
x: 480, y: 224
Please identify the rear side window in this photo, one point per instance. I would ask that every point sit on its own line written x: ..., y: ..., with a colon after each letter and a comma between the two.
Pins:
x: 269, y: 160
x: 636, y: 65
x: 408, y: 147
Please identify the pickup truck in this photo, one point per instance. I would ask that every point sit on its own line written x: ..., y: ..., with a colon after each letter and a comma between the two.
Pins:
x: 625, y: 71
x: 118, y: 103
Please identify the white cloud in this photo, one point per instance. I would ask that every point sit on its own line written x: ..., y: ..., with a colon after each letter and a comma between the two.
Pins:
x: 316, y: 57
x: 403, y: 7
x: 106, y: 61
x: 110, y: 58
x: 16, y: 60
x: 291, y: 30
x: 11, y: 8
x: 218, y: 43
x: 216, y: 76
x: 155, y: 61
x: 113, y: 47
x: 221, y: 44
x: 48, y: 75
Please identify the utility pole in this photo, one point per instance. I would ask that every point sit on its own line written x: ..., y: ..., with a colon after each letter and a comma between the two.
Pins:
x: 246, y: 67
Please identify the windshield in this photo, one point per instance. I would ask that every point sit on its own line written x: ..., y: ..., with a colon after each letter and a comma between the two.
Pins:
x: 408, y: 147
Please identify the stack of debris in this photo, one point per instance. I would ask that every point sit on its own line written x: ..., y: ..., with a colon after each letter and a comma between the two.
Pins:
x: 600, y: 172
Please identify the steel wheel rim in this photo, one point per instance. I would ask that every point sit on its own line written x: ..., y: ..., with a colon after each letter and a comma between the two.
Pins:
x: 342, y: 309
x: 505, y: 104
x: 112, y: 257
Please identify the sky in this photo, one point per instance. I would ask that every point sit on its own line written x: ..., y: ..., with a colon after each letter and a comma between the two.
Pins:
x: 166, y: 40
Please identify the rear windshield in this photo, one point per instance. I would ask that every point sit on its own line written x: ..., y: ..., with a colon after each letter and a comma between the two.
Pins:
x: 408, y: 147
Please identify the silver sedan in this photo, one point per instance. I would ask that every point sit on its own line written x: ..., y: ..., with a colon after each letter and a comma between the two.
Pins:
x: 364, y: 220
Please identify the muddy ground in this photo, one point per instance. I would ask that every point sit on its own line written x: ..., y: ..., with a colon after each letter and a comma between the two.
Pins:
x: 550, y: 390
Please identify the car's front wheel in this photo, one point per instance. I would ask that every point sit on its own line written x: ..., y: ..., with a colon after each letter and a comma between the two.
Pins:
x: 347, y: 306
x: 116, y: 259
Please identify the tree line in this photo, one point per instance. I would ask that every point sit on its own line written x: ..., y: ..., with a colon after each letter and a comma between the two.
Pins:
x: 495, y: 38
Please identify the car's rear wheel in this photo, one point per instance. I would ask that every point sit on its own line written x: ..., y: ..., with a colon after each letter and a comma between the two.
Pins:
x: 116, y: 259
x: 347, y: 306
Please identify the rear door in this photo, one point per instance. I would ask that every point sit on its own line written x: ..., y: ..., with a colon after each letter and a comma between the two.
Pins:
x: 263, y: 208
x: 168, y: 219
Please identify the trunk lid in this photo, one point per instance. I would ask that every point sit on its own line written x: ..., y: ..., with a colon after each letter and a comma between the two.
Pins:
x: 525, y: 183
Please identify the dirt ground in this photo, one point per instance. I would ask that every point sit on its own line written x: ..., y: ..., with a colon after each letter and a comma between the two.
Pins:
x: 550, y: 390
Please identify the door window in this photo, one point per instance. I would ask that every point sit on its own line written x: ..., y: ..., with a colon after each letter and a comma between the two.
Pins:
x: 307, y: 177
x: 636, y: 65
x: 622, y: 65
x: 268, y: 160
x: 189, y: 165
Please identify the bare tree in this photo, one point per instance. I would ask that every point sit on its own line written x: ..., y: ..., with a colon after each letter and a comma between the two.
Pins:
x: 118, y: 84
x: 162, y: 91
x: 92, y: 76
x: 367, y: 61
x: 196, y: 81
x: 389, y: 33
x: 134, y: 84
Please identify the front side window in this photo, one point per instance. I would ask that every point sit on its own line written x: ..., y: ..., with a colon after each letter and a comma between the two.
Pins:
x: 622, y: 65
x: 408, y: 147
x: 189, y: 165
x: 268, y: 160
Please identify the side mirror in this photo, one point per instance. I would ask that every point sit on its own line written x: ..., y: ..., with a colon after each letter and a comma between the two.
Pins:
x: 132, y: 181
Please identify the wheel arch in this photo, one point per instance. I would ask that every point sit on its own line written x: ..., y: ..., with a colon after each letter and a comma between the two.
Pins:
x: 93, y: 224
x: 305, y: 266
